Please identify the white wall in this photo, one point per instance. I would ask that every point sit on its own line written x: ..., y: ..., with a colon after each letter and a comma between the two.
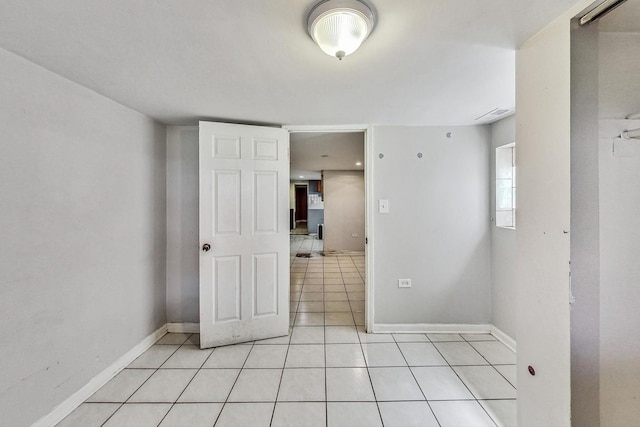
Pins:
x: 619, y: 231
x: 543, y: 221
x: 182, y: 225
x: 585, y: 241
x: 503, y: 242
x: 343, y: 193
x: 438, y: 230
x: 619, y: 277
x: 82, y: 220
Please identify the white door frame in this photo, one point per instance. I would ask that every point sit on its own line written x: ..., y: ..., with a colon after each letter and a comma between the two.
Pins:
x: 368, y: 202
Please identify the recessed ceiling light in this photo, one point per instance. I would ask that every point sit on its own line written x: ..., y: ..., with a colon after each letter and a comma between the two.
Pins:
x: 340, y: 26
x: 301, y: 176
x: 358, y: 163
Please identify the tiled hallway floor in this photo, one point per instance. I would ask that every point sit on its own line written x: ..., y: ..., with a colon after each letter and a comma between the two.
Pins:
x: 327, y: 372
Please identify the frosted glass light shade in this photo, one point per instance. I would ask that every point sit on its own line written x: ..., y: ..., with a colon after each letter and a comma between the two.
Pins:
x: 340, y: 26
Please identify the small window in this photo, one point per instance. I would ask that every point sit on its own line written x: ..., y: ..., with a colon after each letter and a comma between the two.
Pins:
x: 506, y: 186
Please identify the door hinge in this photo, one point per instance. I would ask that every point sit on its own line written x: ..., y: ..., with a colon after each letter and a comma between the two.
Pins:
x: 366, y: 240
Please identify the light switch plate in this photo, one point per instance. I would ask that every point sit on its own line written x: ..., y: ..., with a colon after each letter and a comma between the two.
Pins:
x: 404, y: 283
x: 383, y: 206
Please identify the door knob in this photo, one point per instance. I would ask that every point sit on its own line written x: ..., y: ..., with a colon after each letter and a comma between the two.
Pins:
x: 206, y: 247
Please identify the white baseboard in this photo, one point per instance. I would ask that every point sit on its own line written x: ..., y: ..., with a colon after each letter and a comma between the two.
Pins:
x: 183, y: 328
x: 427, y: 328
x: 504, y: 338
x: 450, y: 328
x: 76, y: 399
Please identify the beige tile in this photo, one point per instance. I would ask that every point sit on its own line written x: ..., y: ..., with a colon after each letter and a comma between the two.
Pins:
x: 357, y: 306
x: 337, y: 306
x: 356, y: 296
x: 311, y: 307
x: 336, y: 319
x: 311, y: 296
x: 309, y: 319
x: 336, y: 296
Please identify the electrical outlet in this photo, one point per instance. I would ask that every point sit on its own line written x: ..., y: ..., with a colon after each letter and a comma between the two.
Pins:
x: 404, y: 283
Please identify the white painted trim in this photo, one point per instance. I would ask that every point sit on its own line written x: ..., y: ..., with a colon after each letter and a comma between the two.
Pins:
x: 370, y: 209
x: 327, y: 128
x: 183, y: 328
x: 76, y: 399
x: 451, y: 328
x: 427, y: 328
x: 503, y: 338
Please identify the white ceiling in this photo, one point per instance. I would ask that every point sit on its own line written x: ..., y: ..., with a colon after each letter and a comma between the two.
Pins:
x: 314, y: 152
x: 428, y: 62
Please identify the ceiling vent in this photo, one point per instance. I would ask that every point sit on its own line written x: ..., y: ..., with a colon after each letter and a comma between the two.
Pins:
x: 495, y: 114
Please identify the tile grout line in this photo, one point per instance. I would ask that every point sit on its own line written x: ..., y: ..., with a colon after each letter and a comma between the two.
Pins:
x: 145, y: 381
x: 234, y: 382
x: 366, y: 363
x: 491, y: 364
x: 463, y: 383
x: 324, y: 338
x: 414, y: 376
x: 494, y: 368
x: 275, y: 403
x: 190, y: 381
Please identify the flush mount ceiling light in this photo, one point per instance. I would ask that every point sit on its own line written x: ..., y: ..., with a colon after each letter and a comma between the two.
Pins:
x: 340, y: 26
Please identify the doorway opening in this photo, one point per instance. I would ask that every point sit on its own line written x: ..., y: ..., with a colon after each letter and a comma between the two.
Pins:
x: 328, y: 268
x: 300, y: 210
x: 605, y: 171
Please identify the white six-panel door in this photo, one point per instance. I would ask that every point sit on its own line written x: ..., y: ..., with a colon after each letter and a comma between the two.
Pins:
x: 244, y: 218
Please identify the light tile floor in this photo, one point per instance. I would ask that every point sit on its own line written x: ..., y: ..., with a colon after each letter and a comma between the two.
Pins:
x: 327, y: 372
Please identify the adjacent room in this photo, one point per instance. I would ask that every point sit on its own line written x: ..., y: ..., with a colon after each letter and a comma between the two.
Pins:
x: 224, y: 213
